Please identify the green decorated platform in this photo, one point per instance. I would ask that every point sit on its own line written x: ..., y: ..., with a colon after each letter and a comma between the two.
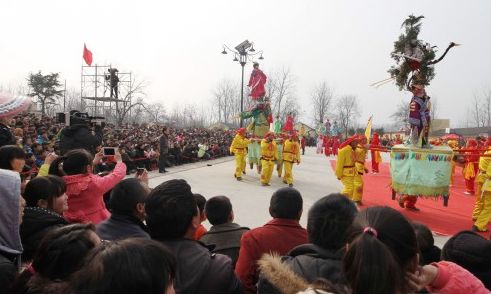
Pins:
x: 421, y: 172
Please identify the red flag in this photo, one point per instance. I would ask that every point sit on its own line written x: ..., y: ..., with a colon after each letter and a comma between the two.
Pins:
x: 87, y: 56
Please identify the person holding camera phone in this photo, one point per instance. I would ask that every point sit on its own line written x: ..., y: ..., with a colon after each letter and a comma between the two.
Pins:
x: 84, y: 189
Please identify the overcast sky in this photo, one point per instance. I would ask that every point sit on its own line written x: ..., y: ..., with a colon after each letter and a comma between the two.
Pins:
x: 175, y: 45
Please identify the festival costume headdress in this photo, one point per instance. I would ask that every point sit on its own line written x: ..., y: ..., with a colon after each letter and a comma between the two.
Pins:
x: 12, y: 105
x: 241, y: 131
x: 349, y: 140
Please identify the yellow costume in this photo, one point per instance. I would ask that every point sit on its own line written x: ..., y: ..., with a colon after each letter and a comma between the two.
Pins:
x: 238, y: 148
x: 291, y: 154
x: 268, y: 157
x: 345, y: 170
x: 454, y: 145
x: 360, y: 156
x: 482, y: 208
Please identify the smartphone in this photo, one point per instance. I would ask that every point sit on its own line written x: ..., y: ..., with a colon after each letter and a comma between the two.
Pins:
x: 109, y: 151
x: 140, y: 170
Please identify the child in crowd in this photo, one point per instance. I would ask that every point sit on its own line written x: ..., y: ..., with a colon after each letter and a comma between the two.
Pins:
x: 200, y: 202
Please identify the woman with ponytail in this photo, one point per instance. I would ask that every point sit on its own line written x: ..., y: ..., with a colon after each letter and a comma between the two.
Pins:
x: 382, y: 257
x: 84, y: 189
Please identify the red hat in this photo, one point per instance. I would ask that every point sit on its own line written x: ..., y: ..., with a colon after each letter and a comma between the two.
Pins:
x: 12, y: 105
x: 268, y: 134
x: 241, y: 131
x: 349, y: 140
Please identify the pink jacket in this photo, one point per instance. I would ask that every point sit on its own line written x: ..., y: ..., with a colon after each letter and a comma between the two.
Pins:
x: 452, y: 278
x: 85, y: 195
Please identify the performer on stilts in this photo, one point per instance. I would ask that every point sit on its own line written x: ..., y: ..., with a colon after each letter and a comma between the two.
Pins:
x: 320, y: 144
x: 268, y: 158
x: 238, y: 149
x: 345, y: 165
x: 482, y: 208
x: 291, y: 155
x: 335, y: 146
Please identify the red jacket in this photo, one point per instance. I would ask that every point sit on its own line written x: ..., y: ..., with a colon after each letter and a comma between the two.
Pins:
x: 278, y: 235
x: 85, y: 195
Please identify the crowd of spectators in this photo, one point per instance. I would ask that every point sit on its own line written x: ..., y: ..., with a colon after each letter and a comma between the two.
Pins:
x: 138, y: 144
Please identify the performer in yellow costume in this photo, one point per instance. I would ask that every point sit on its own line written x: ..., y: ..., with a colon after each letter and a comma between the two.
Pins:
x: 268, y: 158
x: 279, y: 148
x: 454, y: 145
x: 238, y: 148
x: 345, y: 165
x: 482, y: 209
x: 360, y: 157
x: 291, y: 155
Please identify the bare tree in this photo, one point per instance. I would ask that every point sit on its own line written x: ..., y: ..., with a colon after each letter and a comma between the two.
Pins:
x: 280, y: 88
x: 433, y: 108
x: 321, y: 98
x: 226, y: 100
x: 347, y: 108
x: 133, y: 97
x: 400, y: 116
x: 156, y: 112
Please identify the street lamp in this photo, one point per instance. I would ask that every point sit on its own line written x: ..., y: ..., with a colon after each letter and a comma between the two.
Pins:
x: 243, y: 53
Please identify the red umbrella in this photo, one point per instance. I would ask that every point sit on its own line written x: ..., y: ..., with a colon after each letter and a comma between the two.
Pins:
x: 451, y: 137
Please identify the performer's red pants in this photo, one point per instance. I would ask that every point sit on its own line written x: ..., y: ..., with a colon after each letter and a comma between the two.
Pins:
x: 410, y: 201
x: 470, y: 183
x: 374, y: 163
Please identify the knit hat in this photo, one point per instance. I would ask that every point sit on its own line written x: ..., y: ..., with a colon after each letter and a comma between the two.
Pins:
x: 12, y: 105
x: 469, y: 250
x: 348, y: 141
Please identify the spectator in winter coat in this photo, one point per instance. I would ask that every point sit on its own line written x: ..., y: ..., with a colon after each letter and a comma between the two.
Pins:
x: 172, y: 218
x: 11, y: 210
x: 46, y: 202
x: 127, y: 212
x: 84, y: 189
x: 472, y: 252
x: 224, y: 234
x: 280, y: 235
x: 328, y: 223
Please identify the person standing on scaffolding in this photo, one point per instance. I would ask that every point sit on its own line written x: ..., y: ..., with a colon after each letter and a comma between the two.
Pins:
x: 113, y: 80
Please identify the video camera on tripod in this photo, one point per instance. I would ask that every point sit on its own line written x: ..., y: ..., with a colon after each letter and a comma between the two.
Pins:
x: 75, y: 117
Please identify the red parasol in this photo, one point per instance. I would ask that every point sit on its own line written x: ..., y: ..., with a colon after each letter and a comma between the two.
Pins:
x: 451, y: 137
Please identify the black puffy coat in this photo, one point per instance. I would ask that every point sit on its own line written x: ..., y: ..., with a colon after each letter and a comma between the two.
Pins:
x: 310, y: 262
x: 80, y: 136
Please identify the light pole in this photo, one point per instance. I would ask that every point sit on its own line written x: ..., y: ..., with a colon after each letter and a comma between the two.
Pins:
x: 246, y: 52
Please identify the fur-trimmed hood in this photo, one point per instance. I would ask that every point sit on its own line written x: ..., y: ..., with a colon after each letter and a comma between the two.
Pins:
x: 282, y: 277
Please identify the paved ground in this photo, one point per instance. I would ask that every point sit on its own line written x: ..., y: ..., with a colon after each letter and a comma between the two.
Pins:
x: 313, y: 178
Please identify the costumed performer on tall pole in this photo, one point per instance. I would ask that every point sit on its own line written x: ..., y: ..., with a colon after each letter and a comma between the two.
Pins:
x: 482, y: 208
x: 345, y: 165
x: 260, y: 114
x: 268, y: 158
x: 238, y: 149
x: 291, y: 155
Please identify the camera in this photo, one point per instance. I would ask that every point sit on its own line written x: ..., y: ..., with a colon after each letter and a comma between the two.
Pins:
x: 75, y: 117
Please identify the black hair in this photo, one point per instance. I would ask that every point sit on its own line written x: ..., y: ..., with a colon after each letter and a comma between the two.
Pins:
x: 423, y: 236
x: 286, y: 203
x: 9, y: 153
x: 127, y: 266
x: 170, y: 208
x: 382, y: 244
x: 200, y: 202
x: 329, y: 220
x: 74, y: 162
x: 218, y: 209
x: 126, y: 195
x: 60, y: 254
x: 46, y: 188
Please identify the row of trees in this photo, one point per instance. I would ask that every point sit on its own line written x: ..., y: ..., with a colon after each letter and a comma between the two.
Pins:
x: 479, y: 113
